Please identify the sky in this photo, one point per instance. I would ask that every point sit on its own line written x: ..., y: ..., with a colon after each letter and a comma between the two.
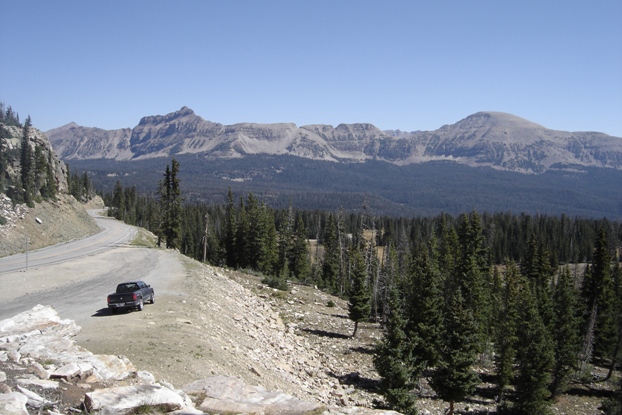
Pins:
x: 408, y: 65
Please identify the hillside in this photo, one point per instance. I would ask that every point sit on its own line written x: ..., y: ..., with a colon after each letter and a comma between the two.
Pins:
x: 485, y: 139
x: 211, y: 322
x: 47, y: 223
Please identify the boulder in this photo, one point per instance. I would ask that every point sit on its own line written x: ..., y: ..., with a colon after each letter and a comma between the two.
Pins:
x: 222, y: 394
x: 125, y: 399
x: 13, y: 403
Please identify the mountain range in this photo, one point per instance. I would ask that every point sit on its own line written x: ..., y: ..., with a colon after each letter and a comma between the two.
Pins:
x: 485, y: 139
x: 488, y: 161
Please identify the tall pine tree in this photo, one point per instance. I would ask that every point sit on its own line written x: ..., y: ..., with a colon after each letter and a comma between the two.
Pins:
x: 394, y: 359
x: 359, y: 305
x: 454, y: 378
x: 534, y: 358
x: 27, y: 165
x: 565, y: 332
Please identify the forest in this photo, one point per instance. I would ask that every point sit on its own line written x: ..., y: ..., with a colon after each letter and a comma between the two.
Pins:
x: 537, y: 297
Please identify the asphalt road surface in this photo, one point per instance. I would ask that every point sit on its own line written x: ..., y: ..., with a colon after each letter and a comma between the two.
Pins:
x: 76, y: 277
x: 113, y: 234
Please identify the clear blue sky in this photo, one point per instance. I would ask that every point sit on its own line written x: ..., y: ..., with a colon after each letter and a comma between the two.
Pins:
x: 409, y: 65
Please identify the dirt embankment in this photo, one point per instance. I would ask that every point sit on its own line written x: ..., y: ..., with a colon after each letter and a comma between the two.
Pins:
x: 47, y: 223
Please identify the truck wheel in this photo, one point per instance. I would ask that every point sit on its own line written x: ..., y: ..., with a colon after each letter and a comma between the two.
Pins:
x: 140, y: 306
x: 152, y: 300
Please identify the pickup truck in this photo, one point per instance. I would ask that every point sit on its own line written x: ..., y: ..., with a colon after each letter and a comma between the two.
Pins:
x: 130, y: 295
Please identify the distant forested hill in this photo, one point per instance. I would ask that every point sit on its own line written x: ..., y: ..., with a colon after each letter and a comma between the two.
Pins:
x: 384, y: 188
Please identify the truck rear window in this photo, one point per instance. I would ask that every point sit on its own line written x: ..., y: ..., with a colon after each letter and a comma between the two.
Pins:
x: 127, y: 288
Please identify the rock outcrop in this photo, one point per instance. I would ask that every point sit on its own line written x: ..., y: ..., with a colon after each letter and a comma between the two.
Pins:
x: 492, y: 139
x: 43, y: 370
x: 11, y: 141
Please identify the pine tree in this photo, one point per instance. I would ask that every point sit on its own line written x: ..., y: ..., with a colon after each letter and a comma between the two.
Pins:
x: 454, y: 378
x: 174, y: 214
x: 359, y: 305
x: 425, y: 312
x: 269, y: 261
x: 242, y: 244
x: 230, y: 232
x: 255, y: 238
x: 566, y: 332
x: 537, y: 268
x: 470, y: 274
x: 299, y: 252
x: 394, y: 360
x: 170, y: 205
x: 330, y: 262
x: 599, y: 301
x: 534, y: 358
x: 27, y: 164
x: 506, y: 336
x: 118, y: 202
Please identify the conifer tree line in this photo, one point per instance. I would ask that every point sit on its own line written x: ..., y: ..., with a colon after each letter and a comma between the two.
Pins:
x: 450, y: 292
x: 36, y: 180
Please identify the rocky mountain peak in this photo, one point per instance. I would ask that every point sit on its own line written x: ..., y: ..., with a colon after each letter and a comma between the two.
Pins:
x: 492, y: 119
x: 184, y: 114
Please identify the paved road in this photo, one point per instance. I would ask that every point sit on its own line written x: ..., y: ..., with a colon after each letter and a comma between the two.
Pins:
x: 74, y: 277
x: 113, y: 234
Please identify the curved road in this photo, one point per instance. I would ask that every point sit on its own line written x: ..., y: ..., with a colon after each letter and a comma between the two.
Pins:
x: 75, y: 277
x: 113, y: 234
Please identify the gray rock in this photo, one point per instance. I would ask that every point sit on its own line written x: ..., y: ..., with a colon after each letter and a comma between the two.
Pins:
x: 227, y: 394
x: 13, y: 403
x: 124, y: 399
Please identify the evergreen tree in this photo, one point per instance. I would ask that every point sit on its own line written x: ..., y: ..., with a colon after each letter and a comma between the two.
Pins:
x: 565, y: 332
x: 359, y: 305
x: 269, y: 261
x: 118, y: 202
x: 426, y: 308
x: 454, y: 378
x: 230, y: 232
x: 598, y: 295
x: 534, y: 358
x: 286, y: 241
x: 330, y: 262
x: 299, y: 252
x: 170, y: 203
x: 536, y: 267
x: 174, y: 205
x: 27, y: 165
x: 394, y: 360
x: 470, y: 275
x: 242, y: 244
x: 255, y: 238
x: 507, y: 331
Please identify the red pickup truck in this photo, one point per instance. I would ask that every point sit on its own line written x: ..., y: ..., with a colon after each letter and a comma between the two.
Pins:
x: 130, y: 295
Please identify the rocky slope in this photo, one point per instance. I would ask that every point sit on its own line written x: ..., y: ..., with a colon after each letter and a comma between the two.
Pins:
x: 494, y: 139
x: 42, y: 370
x: 47, y: 223
x: 10, y: 141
